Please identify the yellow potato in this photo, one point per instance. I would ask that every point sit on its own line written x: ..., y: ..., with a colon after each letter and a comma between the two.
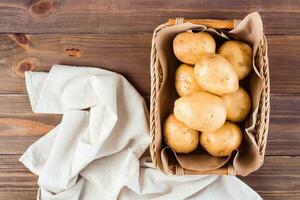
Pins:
x: 201, y: 111
x: 188, y: 46
x: 239, y: 54
x: 238, y: 105
x: 216, y: 75
x: 178, y: 136
x: 185, y: 82
x: 223, y: 141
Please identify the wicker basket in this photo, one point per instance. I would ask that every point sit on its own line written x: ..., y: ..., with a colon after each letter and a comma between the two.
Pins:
x: 261, y: 125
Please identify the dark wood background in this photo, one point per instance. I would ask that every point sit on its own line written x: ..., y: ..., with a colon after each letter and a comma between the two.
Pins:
x: 116, y: 35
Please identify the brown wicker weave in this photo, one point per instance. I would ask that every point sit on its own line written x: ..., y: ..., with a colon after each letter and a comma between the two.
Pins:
x: 262, y: 123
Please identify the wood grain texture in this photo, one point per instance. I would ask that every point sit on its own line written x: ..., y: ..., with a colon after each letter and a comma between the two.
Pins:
x: 130, y: 16
x: 15, y: 136
x: 284, y: 62
x: 123, y: 53
x: 126, y: 54
x: 278, y: 178
x: 14, y: 176
x: 22, y: 127
x: 11, y: 145
x: 284, y: 137
x: 18, y: 195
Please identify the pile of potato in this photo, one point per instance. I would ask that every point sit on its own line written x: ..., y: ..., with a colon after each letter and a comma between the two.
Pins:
x: 211, y: 100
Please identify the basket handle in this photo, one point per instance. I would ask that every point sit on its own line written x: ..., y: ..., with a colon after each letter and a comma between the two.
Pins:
x: 221, y: 171
x: 212, y: 23
x: 228, y: 170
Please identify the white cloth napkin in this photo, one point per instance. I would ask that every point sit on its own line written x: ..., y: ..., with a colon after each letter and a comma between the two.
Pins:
x: 96, y: 154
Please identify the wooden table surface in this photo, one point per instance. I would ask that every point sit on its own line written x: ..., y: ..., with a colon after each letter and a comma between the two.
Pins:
x: 116, y: 35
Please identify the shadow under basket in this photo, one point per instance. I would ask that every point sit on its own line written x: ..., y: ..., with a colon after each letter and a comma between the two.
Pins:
x: 163, y: 94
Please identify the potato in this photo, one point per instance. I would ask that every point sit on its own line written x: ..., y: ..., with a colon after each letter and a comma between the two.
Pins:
x: 223, y: 141
x: 179, y: 137
x: 201, y: 111
x: 188, y: 46
x: 239, y: 54
x: 216, y: 75
x: 238, y: 105
x: 185, y: 82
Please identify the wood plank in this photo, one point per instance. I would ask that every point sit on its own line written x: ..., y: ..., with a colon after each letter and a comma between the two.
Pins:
x: 130, y: 16
x: 283, y: 139
x: 123, y: 53
x: 278, y: 177
x: 18, y: 195
x: 14, y: 176
x: 15, y: 136
x: 11, y: 145
x: 14, y: 104
x: 23, y: 127
x: 283, y: 60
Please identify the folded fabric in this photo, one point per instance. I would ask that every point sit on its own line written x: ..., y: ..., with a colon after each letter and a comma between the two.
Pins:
x: 98, y: 149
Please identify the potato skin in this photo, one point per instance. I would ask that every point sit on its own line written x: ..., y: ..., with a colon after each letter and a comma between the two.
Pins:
x: 178, y: 136
x: 223, y: 141
x: 239, y: 54
x: 185, y: 81
x: 201, y: 111
x: 238, y: 105
x: 216, y: 75
x: 189, y: 46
